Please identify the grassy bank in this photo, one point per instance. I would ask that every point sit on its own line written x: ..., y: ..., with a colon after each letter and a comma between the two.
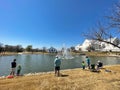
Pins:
x: 102, y: 53
x: 75, y: 79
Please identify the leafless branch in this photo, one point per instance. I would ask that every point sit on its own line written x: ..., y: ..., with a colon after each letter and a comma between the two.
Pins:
x: 100, y: 33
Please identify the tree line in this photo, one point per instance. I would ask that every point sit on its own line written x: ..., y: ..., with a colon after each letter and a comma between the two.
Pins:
x: 29, y: 48
x: 19, y: 48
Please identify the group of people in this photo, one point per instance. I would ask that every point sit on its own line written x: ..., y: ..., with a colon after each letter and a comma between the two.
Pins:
x: 14, y: 65
x: 90, y: 66
x: 13, y: 68
x: 98, y: 65
x: 57, y: 63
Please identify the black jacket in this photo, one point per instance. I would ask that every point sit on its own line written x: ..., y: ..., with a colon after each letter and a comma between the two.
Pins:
x: 13, y: 64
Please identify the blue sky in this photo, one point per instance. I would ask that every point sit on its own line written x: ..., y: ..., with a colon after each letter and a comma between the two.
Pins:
x: 49, y: 22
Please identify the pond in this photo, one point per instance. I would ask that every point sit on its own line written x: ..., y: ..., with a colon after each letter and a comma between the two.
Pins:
x: 32, y: 63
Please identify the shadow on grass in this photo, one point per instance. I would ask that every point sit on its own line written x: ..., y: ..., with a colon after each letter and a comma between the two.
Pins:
x: 90, y: 70
x: 85, y: 69
x: 102, y: 68
x: 95, y: 71
x: 64, y: 75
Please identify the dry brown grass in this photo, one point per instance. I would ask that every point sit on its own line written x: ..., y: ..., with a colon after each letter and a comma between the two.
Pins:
x: 75, y: 79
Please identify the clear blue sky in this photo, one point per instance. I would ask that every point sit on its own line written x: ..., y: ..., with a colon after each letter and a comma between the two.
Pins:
x: 49, y: 22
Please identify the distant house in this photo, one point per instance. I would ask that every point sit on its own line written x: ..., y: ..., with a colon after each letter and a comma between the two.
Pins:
x: 99, y: 46
x: 88, y: 43
x: 52, y: 50
x: 84, y: 46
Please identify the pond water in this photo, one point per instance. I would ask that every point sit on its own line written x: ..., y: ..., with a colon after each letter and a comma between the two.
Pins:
x: 32, y: 63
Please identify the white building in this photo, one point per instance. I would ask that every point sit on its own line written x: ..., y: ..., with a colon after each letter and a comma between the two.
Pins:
x: 84, y: 46
x: 99, y: 46
x: 108, y: 47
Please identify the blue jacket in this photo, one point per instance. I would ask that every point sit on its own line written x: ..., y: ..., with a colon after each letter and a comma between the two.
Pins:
x: 88, y: 60
x: 57, y: 62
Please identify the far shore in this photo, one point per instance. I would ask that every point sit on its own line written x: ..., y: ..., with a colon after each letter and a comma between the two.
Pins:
x: 114, y: 54
x: 15, y: 53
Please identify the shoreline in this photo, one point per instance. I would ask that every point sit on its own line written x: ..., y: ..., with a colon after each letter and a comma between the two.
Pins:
x: 71, y: 79
x: 52, y: 72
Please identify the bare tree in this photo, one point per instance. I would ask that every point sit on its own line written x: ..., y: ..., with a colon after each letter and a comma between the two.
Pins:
x: 115, y: 17
x: 100, y: 33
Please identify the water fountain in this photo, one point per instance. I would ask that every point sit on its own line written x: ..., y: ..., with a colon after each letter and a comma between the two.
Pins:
x: 66, y: 54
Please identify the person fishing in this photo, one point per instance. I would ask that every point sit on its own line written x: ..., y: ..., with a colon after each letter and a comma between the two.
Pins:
x: 57, y: 63
x: 13, y: 67
x: 88, y: 62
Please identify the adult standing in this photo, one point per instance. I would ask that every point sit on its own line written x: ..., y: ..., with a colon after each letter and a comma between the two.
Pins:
x: 13, y: 66
x: 88, y: 62
x: 57, y: 63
